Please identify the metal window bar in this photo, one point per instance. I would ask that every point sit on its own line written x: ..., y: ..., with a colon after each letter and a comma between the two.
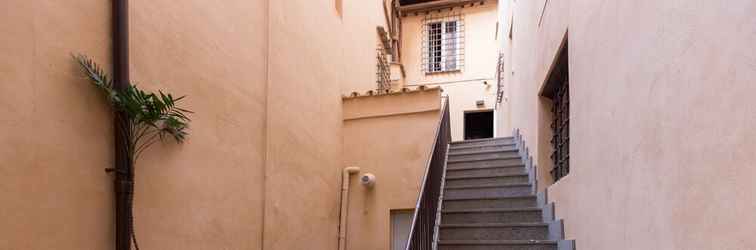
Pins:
x: 500, y: 78
x: 424, y: 221
x: 561, y: 129
x: 383, y: 70
x: 443, y: 45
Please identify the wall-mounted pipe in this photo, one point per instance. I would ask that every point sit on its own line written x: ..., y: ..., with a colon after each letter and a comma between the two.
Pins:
x: 348, y: 171
x: 124, y: 171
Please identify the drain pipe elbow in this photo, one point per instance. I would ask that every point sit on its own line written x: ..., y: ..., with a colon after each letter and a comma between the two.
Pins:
x: 348, y: 171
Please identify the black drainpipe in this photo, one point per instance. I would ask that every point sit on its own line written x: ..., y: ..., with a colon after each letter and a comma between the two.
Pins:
x: 124, y: 168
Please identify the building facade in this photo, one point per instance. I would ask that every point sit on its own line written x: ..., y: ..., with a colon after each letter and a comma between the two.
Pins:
x: 261, y: 168
x: 453, y: 45
x: 634, y: 114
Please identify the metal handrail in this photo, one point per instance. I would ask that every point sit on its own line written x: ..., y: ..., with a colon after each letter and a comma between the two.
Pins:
x: 423, y: 227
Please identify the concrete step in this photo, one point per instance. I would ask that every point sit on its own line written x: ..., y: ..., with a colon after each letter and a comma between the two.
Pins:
x: 521, y: 201
x: 484, y: 142
x: 466, y: 216
x: 468, y: 149
x: 482, y: 151
x: 483, y: 155
x: 487, y: 191
x: 486, y: 162
x: 485, y: 171
x: 486, y: 158
x: 497, y: 245
x: 494, y: 231
x: 466, y: 180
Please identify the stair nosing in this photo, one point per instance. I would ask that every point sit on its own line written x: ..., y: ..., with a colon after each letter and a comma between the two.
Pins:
x: 485, y: 176
x: 485, y: 167
x: 482, y: 140
x: 490, y: 186
x: 484, y: 152
x: 485, y: 225
x: 487, y: 159
x: 453, y: 147
x: 492, y: 198
x: 490, y: 210
x: 497, y: 242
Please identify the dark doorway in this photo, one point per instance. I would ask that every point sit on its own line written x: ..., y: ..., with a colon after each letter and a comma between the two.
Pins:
x: 479, y: 125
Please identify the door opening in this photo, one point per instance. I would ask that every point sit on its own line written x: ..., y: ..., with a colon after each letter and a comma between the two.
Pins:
x: 401, y: 221
x: 479, y: 124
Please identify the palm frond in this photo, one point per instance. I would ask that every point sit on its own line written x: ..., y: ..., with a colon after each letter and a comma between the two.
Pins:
x: 97, y: 76
x: 151, y: 116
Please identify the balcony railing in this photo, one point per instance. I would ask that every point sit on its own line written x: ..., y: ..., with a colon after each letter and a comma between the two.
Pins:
x: 424, y: 221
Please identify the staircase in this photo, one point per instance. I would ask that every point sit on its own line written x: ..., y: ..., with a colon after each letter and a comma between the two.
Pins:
x: 489, y: 201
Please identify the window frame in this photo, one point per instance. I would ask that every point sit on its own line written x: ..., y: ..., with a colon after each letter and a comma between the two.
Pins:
x: 451, y: 56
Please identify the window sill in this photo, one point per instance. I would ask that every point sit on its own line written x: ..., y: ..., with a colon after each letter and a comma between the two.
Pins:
x: 443, y: 72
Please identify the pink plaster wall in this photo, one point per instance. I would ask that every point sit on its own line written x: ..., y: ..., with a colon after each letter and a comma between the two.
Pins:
x: 661, y: 119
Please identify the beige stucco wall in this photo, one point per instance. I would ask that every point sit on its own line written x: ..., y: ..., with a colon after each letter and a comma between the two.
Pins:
x: 208, y: 192
x: 466, y: 86
x: 304, y: 126
x: 53, y: 188
x: 391, y: 137
x: 661, y: 122
x: 261, y: 167
x: 360, y: 41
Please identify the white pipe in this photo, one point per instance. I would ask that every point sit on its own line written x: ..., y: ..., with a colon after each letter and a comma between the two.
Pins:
x: 345, y: 203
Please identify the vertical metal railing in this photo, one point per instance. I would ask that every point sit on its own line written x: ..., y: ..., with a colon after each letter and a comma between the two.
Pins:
x: 499, y: 79
x: 424, y: 220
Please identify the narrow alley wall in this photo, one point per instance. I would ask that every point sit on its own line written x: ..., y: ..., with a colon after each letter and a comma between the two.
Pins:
x: 261, y: 166
x: 661, y: 122
x: 208, y: 192
x: 55, y: 128
x: 359, y: 23
x: 303, y: 162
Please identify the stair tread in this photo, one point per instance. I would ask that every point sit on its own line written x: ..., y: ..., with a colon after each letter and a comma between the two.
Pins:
x: 478, y: 225
x: 497, y: 242
x: 485, y: 176
x: 485, y: 167
x: 490, y: 210
x: 484, y: 152
x: 490, y: 186
x: 492, y: 198
x: 483, y: 140
x: 453, y: 147
x: 486, y: 159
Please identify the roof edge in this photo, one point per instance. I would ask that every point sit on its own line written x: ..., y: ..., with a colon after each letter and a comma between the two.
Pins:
x: 405, y: 90
x: 441, y: 4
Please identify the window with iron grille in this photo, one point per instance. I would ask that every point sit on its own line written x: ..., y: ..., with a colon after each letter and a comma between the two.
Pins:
x: 383, y: 70
x: 560, y: 127
x: 557, y: 88
x: 443, y: 43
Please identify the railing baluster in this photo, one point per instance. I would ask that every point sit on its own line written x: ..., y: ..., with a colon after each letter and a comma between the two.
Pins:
x: 424, y: 219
